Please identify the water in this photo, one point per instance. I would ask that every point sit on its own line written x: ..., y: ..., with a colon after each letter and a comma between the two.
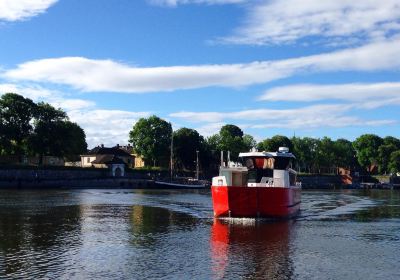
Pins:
x: 137, y: 234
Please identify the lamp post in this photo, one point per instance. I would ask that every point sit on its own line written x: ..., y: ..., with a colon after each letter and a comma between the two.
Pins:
x: 197, y: 165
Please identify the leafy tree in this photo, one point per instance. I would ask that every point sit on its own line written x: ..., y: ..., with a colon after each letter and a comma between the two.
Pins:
x: 367, y: 146
x: 55, y: 135
x: 390, y: 140
x: 394, y: 163
x: 16, y: 113
x: 344, y: 153
x: 325, y: 153
x: 304, y: 150
x: 249, y: 142
x: 384, y: 155
x: 46, y: 113
x: 186, y: 143
x: 273, y: 144
x: 151, y: 138
x: 390, y: 145
x: 26, y: 127
x: 74, y: 141
x: 212, y: 151
x: 231, y: 139
x: 231, y: 130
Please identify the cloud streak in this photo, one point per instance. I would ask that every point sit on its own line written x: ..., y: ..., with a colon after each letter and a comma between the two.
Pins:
x: 109, y: 127
x: 174, y: 3
x: 338, y: 22
x: 53, y: 97
x: 16, y: 10
x: 366, y: 95
x: 310, y: 117
x: 91, y: 75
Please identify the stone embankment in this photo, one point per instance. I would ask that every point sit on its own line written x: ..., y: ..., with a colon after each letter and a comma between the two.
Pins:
x: 75, y: 178
x: 321, y: 181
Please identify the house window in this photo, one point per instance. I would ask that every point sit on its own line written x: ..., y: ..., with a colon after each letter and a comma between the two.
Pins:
x: 88, y: 160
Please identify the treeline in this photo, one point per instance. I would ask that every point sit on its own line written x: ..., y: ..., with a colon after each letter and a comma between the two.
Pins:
x: 37, y: 129
x: 151, y: 138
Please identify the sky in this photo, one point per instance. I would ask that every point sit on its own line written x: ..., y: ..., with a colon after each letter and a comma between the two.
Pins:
x: 290, y: 67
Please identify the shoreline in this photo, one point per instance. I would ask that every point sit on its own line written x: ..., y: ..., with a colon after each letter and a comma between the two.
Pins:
x: 85, y: 178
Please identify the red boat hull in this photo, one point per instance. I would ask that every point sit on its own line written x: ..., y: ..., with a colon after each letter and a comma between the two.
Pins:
x: 253, y: 202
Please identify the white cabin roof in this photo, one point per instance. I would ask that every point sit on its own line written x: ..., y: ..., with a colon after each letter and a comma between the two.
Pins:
x: 266, y: 154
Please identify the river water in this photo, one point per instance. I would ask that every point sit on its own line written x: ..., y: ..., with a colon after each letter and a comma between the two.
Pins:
x: 169, y: 234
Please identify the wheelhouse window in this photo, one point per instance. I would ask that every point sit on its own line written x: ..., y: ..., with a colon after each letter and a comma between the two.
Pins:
x: 259, y: 163
x: 259, y: 167
x: 282, y: 163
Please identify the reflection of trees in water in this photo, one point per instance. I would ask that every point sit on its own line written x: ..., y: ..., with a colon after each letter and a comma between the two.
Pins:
x: 257, y: 251
x: 386, y: 207
x: 147, y: 223
x: 33, y: 234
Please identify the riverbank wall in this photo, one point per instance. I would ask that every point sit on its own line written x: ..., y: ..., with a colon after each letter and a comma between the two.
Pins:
x: 72, y: 178
x: 321, y: 181
x: 142, y: 179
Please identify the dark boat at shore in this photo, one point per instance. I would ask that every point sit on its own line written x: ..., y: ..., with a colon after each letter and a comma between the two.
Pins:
x: 181, y: 183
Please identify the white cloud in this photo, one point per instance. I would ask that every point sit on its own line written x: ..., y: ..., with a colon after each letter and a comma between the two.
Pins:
x: 14, y: 10
x: 174, y: 3
x: 309, y: 112
x: 343, y: 21
x: 33, y: 92
x: 108, y: 127
x: 106, y: 75
x: 365, y: 95
x: 53, y: 97
x: 209, y: 129
x: 317, y: 116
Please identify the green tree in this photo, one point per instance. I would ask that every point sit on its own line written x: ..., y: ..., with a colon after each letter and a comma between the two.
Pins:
x: 394, y: 163
x: 186, y: 142
x: 231, y: 139
x: 366, y: 147
x: 151, y: 138
x: 390, y: 140
x: 325, y: 156
x: 304, y: 149
x: 16, y: 113
x: 249, y: 142
x: 273, y: 144
x: 55, y: 135
x: 390, y: 145
x: 74, y: 141
x: 384, y: 155
x: 231, y: 130
x: 344, y: 153
x: 212, y: 152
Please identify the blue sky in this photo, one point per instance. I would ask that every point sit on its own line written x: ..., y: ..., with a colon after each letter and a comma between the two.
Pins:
x: 305, y: 67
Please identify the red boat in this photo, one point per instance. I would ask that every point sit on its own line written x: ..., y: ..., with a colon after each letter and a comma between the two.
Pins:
x: 264, y: 186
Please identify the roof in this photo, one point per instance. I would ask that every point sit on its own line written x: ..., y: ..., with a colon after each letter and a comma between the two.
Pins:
x: 266, y: 154
x: 116, y: 151
x: 108, y: 159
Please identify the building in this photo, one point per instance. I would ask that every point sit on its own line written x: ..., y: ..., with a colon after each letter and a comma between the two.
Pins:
x: 115, y: 159
x: 139, y: 161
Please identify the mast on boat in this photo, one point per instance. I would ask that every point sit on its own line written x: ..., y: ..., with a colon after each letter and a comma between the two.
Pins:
x: 172, y: 156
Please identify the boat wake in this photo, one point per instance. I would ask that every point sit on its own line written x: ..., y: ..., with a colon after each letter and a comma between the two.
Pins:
x: 335, y: 208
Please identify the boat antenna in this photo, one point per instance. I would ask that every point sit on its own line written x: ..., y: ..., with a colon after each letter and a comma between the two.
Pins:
x: 172, y: 155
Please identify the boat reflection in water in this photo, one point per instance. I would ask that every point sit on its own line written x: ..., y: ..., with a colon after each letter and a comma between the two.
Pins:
x: 245, y: 248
